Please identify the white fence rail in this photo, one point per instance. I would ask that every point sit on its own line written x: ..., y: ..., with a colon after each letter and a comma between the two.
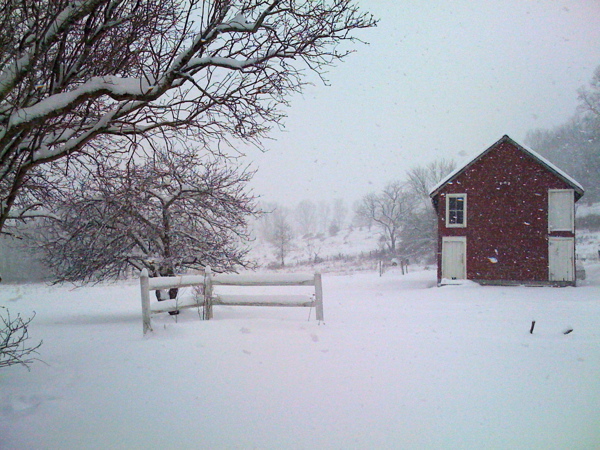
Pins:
x: 209, y: 280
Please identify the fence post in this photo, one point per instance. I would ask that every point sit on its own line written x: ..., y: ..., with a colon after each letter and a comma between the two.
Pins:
x: 145, y: 288
x: 207, y: 313
x: 318, y: 296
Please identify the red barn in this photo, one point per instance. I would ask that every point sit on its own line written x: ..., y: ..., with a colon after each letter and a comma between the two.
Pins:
x: 507, y: 217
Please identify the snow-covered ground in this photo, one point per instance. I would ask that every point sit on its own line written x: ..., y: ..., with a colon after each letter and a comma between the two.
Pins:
x: 398, y: 363
x: 588, y: 245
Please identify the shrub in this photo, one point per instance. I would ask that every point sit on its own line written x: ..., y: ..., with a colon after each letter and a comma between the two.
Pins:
x: 13, y: 336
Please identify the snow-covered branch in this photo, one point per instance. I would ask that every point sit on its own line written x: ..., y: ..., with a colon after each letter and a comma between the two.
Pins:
x: 33, y: 212
x: 84, y: 76
x: 115, y: 87
x: 73, y: 11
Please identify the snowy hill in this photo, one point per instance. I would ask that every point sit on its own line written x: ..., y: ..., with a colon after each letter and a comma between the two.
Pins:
x: 351, y: 249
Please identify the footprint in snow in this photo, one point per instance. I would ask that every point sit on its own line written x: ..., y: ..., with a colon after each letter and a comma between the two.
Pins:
x: 18, y: 296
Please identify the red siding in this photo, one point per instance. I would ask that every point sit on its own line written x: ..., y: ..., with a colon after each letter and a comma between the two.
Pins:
x: 507, y: 216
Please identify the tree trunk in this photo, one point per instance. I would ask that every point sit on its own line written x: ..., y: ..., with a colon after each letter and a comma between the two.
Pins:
x: 171, y: 294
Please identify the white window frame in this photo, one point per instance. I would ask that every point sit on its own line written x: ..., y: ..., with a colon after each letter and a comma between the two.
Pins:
x: 551, y: 214
x: 464, y: 222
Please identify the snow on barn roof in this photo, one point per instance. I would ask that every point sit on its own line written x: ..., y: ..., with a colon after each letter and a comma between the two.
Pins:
x: 543, y: 161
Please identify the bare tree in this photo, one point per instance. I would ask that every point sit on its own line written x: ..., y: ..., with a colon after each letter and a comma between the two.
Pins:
x: 389, y: 210
x: 264, y: 222
x: 281, y: 234
x: 422, y: 179
x: 306, y: 217
x: 323, y: 215
x: 313, y: 247
x: 339, y: 216
x: 14, y: 334
x: 419, y: 235
x: 97, y: 77
x: 420, y: 230
x: 590, y: 96
x: 172, y: 212
x: 359, y: 219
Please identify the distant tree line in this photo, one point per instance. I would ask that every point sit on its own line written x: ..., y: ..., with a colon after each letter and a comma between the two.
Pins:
x: 401, y: 213
x: 575, y: 145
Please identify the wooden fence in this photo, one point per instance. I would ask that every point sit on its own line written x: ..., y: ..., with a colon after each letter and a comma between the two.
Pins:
x: 208, y: 281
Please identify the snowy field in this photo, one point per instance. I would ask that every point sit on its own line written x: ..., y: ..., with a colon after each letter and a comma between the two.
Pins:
x: 398, y: 363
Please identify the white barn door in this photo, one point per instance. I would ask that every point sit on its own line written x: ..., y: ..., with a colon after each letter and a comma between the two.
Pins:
x: 454, y: 258
x: 561, y: 210
x: 561, y: 255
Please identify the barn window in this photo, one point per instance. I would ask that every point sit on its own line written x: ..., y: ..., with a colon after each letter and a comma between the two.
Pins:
x: 456, y: 210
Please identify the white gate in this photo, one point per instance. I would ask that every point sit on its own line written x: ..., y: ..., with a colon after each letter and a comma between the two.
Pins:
x: 561, y: 255
x: 454, y: 257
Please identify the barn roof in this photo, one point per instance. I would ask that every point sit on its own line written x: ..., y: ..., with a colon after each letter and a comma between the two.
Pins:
x: 532, y: 154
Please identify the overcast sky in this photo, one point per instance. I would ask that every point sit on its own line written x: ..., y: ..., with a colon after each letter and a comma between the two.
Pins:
x: 440, y: 79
